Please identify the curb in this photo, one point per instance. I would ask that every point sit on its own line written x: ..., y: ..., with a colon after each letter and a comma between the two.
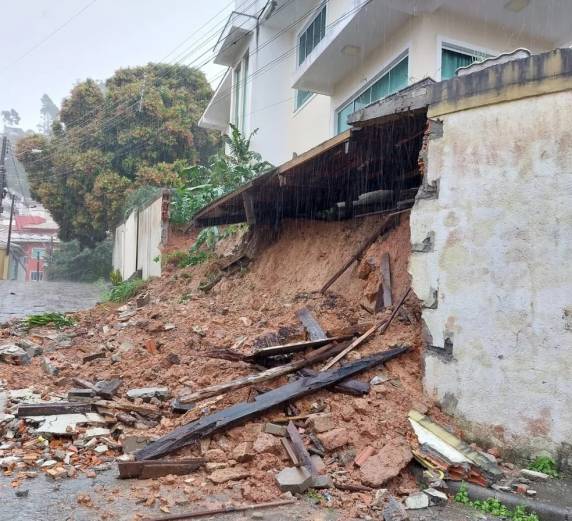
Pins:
x: 545, y: 511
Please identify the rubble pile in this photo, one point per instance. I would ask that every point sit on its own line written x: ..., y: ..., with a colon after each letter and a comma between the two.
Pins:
x: 107, y: 391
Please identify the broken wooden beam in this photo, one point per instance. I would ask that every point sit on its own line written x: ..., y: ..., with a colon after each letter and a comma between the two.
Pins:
x: 142, y: 409
x: 387, y: 224
x: 290, y: 451
x: 241, y: 412
x: 108, y: 388
x: 353, y: 387
x: 53, y: 408
x: 270, y: 374
x: 157, y: 468
x: 312, y: 326
x: 293, y: 348
x: 384, y: 298
x: 221, y: 510
x: 382, y: 326
x: 302, y: 454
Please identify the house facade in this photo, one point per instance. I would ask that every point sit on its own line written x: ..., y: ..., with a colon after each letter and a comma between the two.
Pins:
x: 298, y: 68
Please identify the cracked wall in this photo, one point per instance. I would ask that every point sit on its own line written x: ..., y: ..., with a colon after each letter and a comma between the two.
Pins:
x: 492, y: 248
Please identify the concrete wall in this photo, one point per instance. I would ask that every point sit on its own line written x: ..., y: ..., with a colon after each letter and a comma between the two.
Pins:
x: 491, y: 263
x: 138, y: 240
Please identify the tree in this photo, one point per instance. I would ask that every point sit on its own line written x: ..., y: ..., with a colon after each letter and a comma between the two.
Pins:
x: 141, y: 127
x: 10, y: 117
x: 50, y: 113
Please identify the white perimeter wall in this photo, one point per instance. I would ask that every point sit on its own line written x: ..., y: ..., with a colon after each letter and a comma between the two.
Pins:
x: 137, y: 242
x: 502, y: 227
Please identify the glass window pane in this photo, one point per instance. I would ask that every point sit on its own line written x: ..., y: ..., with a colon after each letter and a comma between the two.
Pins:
x: 302, y: 49
x: 301, y: 97
x: 343, y: 116
x: 380, y: 88
x: 363, y: 99
x: 398, y: 76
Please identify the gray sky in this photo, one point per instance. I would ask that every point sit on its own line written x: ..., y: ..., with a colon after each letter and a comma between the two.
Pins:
x: 109, y: 34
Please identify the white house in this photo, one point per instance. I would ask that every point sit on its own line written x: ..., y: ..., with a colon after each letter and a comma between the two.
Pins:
x: 298, y: 68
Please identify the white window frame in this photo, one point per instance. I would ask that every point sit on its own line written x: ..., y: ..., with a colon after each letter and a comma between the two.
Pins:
x: 240, y: 99
x: 306, y: 25
x: 458, y: 46
x: 310, y: 98
x: 404, y: 53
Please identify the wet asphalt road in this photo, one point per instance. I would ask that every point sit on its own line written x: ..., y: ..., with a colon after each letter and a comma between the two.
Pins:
x: 19, y: 299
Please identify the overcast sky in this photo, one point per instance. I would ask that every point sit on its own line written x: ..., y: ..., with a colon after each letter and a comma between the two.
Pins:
x: 109, y: 34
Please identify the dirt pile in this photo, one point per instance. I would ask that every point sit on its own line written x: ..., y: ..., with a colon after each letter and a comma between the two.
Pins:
x: 162, y: 345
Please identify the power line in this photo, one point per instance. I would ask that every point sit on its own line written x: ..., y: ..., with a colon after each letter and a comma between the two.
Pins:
x: 54, y: 32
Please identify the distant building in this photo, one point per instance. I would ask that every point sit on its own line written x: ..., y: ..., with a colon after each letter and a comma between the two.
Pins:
x: 34, y: 238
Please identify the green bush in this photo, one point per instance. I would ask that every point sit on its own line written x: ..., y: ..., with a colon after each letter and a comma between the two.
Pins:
x: 71, y: 262
x: 125, y: 290
x: 546, y: 465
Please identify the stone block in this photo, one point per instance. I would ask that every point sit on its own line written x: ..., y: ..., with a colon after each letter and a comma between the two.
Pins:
x: 294, y: 479
x: 228, y: 474
x: 334, y: 439
x: 417, y: 501
x: 146, y: 393
x: 436, y: 497
x: 386, y: 464
x: 323, y: 423
x: 394, y: 511
x: 276, y: 430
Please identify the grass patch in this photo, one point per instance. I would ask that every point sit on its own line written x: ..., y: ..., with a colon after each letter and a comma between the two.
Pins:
x: 546, y: 465
x: 58, y: 320
x: 495, y: 507
x: 182, y: 259
x: 125, y: 290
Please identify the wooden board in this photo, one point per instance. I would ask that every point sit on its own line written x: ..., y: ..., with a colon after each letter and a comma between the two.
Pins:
x: 294, y: 347
x: 241, y: 412
x: 384, y: 298
x: 353, y: 387
x: 157, y: 468
x: 302, y: 454
x: 270, y: 374
x: 53, y: 408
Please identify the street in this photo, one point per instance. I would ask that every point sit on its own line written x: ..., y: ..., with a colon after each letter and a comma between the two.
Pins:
x: 19, y: 299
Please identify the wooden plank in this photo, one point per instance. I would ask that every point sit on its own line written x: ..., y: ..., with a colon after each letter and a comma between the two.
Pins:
x: 241, y: 412
x: 384, y: 298
x: 248, y: 202
x: 387, y: 224
x: 290, y: 451
x: 353, y: 387
x: 312, y: 326
x: 221, y: 510
x: 294, y: 347
x: 301, y: 453
x: 270, y: 374
x: 143, y: 409
x: 382, y: 326
x: 157, y: 468
x: 52, y: 408
x: 85, y: 384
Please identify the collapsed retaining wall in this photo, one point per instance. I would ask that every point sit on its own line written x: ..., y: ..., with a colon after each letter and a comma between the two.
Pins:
x: 491, y: 264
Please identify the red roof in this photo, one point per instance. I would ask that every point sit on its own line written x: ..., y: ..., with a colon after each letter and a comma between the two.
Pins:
x: 28, y: 221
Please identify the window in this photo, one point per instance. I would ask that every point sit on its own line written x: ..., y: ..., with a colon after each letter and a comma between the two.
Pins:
x: 451, y: 60
x: 312, y: 35
x: 302, y: 96
x: 41, y: 252
x: 240, y: 79
x: 396, y: 78
x: 37, y: 275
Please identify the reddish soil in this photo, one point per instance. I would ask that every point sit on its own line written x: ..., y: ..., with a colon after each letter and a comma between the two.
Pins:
x: 251, y: 303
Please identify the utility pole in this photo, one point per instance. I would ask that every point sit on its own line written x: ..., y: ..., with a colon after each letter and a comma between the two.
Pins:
x: 10, y: 227
x: 3, y: 171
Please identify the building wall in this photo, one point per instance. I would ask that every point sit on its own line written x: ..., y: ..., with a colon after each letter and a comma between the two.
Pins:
x: 422, y: 36
x: 491, y: 264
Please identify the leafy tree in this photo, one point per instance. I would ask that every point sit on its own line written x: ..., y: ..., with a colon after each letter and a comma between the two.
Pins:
x: 139, y: 128
x: 71, y: 262
x: 50, y: 113
x: 222, y: 174
x: 10, y: 117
